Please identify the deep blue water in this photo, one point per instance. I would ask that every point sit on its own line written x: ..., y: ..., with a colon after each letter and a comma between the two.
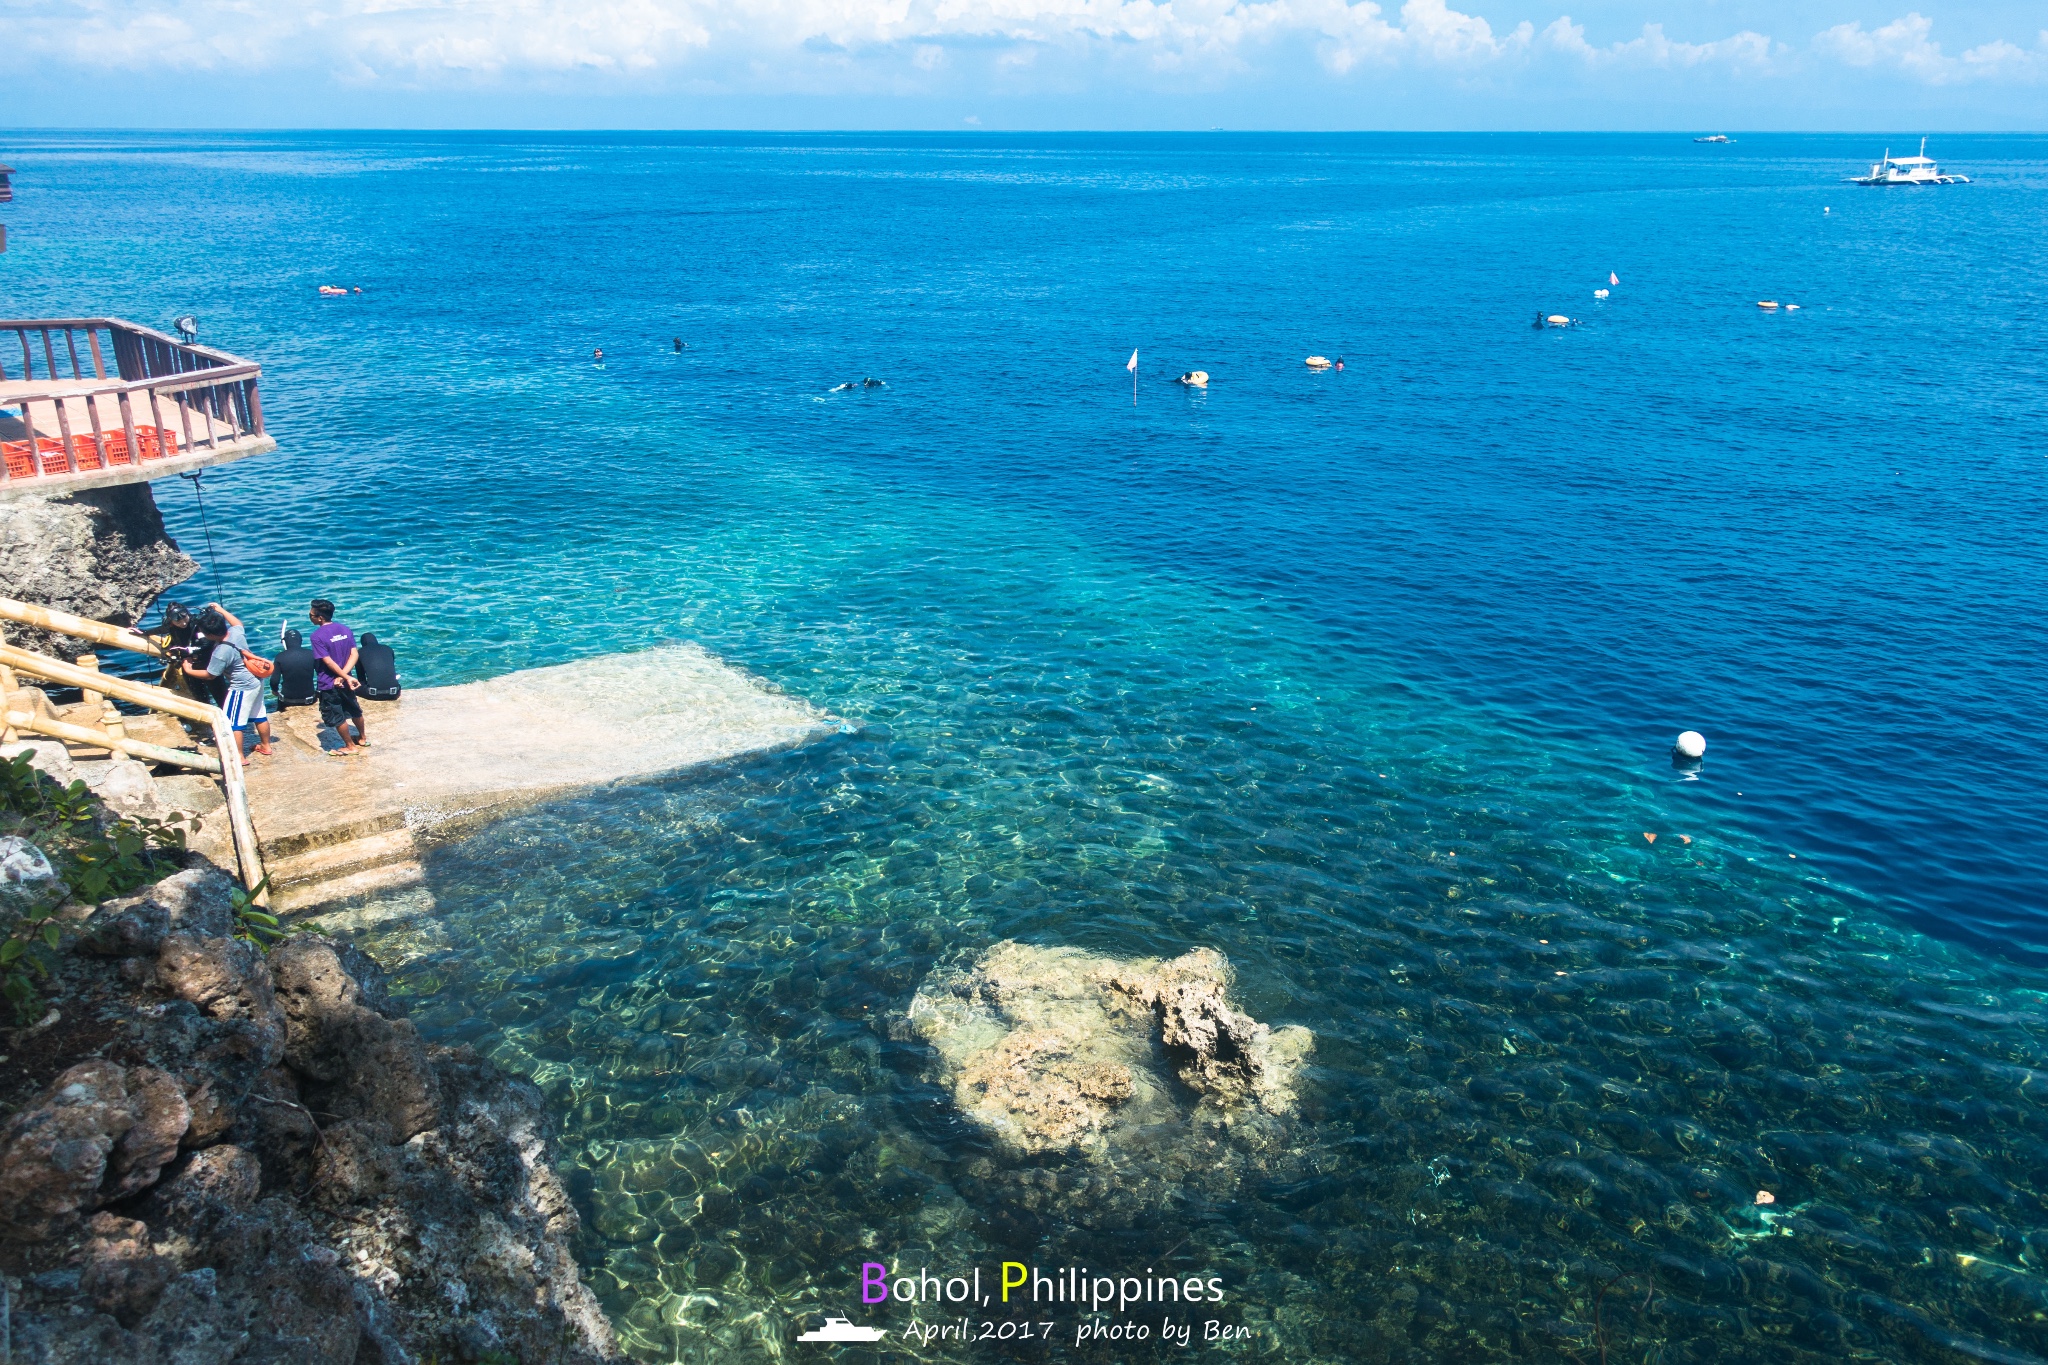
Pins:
x: 1367, y: 678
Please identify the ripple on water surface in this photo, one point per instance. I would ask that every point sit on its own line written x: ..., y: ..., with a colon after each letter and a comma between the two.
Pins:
x: 1550, y: 1052
x: 1349, y: 676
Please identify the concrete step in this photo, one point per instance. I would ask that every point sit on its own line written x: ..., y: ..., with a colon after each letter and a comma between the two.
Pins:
x: 326, y: 862
x: 326, y: 836
x: 301, y: 897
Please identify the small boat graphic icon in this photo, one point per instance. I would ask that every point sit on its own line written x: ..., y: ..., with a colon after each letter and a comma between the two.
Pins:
x: 839, y: 1329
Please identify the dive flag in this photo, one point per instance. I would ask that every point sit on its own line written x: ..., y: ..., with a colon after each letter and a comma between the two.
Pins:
x: 1133, y: 366
x: 1613, y: 278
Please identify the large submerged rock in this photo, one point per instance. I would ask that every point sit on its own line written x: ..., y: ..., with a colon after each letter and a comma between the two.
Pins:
x: 1057, y: 1050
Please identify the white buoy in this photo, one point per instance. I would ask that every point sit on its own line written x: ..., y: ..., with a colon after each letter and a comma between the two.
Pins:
x: 1599, y: 293
x: 1692, y: 744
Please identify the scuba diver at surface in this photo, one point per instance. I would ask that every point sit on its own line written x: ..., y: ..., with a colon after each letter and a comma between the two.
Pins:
x: 294, y: 683
x: 174, y: 636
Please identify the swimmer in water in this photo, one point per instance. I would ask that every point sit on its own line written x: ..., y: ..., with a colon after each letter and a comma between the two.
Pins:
x: 842, y: 388
x: 1539, y: 320
x: 679, y: 345
x: 871, y: 383
x: 1340, y: 362
x: 598, y: 355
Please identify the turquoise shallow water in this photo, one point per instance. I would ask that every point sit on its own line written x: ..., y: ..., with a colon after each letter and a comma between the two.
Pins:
x: 1365, y: 679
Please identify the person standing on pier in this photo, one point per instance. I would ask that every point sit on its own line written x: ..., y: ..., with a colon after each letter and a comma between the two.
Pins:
x: 334, y: 649
x: 243, y: 703
x: 237, y: 636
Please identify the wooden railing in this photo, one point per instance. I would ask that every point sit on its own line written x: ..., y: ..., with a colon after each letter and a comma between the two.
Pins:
x: 175, y: 399
x: 225, y: 763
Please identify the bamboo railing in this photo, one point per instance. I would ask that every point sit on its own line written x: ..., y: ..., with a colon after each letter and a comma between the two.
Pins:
x: 227, y: 744
x: 178, y: 401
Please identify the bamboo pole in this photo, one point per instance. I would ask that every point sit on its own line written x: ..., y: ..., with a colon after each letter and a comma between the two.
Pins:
x: 96, y: 705
x: 247, y: 850
x: 64, y: 623
x: 108, y: 716
x: 100, y: 739
x: 142, y: 694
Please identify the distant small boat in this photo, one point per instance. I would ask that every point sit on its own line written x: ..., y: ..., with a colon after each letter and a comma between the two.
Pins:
x: 1718, y: 137
x: 1599, y: 293
x: 1318, y: 362
x: 1908, y: 170
x: 1194, y: 379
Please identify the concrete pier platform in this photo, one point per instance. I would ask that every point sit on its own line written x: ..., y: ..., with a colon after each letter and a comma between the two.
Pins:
x: 443, y: 759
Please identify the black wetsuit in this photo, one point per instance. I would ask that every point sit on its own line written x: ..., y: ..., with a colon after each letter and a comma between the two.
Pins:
x: 293, y: 683
x: 377, y: 670
x: 177, y: 644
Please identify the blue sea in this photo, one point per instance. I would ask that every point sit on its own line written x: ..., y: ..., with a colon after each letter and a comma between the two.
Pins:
x: 1368, y: 678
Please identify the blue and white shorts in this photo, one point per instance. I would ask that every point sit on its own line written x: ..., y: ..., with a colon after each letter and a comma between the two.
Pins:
x: 244, y: 707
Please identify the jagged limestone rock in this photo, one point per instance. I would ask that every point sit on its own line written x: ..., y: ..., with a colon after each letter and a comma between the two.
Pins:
x: 101, y: 1131
x: 126, y: 787
x: 228, y: 979
x: 364, y: 1065
x: 196, y: 901
x: 102, y: 554
x: 190, y: 1210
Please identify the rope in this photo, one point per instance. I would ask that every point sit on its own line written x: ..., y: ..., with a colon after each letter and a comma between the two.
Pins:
x: 214, y: 564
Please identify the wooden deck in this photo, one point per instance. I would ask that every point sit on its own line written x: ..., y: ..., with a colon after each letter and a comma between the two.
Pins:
x: 170, y: 406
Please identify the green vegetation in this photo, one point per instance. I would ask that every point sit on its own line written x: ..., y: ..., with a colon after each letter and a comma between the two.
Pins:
x: 255, y: 923
x: 94, y: 853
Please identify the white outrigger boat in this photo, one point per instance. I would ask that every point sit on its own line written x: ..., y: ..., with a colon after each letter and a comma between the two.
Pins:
x: 1909, y: 170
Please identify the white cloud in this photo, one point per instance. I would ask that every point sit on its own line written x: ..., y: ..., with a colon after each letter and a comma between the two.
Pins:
x: 1905, y: 45
x: 902, y: 44
x: 2000, y: 60
x: 1449, y: 38
x: 1747, y: 49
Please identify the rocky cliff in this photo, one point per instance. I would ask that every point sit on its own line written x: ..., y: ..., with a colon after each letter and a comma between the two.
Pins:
x: 102, y: 554
x: 213, y: 1153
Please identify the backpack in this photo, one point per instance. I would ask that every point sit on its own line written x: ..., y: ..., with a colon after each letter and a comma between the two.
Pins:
x: 258, y: 666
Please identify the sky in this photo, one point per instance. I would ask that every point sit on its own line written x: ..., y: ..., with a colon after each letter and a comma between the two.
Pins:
x: 1708, y: 65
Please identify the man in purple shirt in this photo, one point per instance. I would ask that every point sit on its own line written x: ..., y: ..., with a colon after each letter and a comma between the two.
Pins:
x: 334, y: 650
